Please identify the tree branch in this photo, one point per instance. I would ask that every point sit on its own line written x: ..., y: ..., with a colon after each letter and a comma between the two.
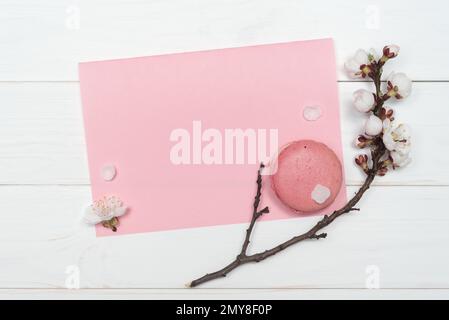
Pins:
x: 377, y: 153
x: 243, y: 258
x: 256, y: 213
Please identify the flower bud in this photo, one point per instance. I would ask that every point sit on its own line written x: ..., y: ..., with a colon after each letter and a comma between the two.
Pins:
x: 390, y: 51
x: 362, y: 141
x: 362, y: 161
x: 373, y: 125
x: 364, y: 100
x: 386, y: 113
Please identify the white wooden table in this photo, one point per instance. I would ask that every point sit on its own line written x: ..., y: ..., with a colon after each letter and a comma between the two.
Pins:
x: 400, y: 237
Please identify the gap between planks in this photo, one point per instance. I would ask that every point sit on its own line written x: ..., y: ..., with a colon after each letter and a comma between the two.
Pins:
x: 76, y: 81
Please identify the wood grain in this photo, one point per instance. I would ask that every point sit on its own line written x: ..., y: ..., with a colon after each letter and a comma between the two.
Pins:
x: 44, y: 183
x: 223, y: 294
x: 43, y: 139
x: 46, y: 41
x: 42, y: 235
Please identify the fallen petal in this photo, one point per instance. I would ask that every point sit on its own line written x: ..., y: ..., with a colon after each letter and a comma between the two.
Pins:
x: 320, y: 194
x: 312, y: 113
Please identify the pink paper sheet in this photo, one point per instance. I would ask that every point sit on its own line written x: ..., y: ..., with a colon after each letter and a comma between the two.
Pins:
x: 132, y: 106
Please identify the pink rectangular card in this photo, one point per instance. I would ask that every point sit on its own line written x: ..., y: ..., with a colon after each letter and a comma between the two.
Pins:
x: 157, y: 120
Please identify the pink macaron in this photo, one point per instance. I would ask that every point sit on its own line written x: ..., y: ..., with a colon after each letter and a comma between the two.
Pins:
x: 308, y: 177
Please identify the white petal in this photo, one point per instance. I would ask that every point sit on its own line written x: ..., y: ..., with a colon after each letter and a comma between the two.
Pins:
x: 390, y: 76
x: 320, y: 194
x: 386, y: 125
x: 400, y: 160
x: 389, y: 143
x: 90, y: 216
x: 363, y: 100
x: 403, y: 83
x: 353, y: 68
x: 361, y: 57
x: 406, y: 162
x: 374, y: 53
x: 312, y: 113
x: 373, y: 126
x: 120, y: 211
x: 403, y: 148
x: 403, y: 131
x: 108, y: 172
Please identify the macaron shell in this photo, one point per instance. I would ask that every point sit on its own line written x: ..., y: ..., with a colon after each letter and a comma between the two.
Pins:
x: 301, y: 166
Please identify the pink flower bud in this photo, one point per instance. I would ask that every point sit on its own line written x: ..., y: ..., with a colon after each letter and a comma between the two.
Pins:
x: 362, y: 141
x: 361, y: 158
x: 362, y: 161
x: 386, y: 113
x: 391, y: 51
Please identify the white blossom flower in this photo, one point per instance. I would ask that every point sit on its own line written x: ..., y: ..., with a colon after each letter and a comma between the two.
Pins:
x: 373, y: 55
x: 104, y: 209
x: 364, y: 100
x: 390, y: 51
x: 358, y: 65
x: 396, y: 138
x: 373, y: 125
x: 399, y: 159
x: 399, y: 85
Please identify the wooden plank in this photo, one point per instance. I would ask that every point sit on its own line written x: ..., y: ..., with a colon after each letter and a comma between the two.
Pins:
x: 46, y: 40
x: 223, y: 294
x: 401, y: 233
x: 42, y: 139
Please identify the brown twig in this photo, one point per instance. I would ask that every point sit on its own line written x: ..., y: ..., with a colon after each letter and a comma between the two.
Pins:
x: 256, y: 213
x: 242, y: 258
